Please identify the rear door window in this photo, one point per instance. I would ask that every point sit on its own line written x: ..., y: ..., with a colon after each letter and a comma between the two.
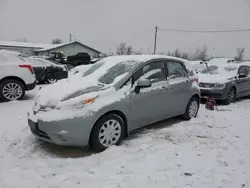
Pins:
x: 175, y: 70
x: 154, y: 71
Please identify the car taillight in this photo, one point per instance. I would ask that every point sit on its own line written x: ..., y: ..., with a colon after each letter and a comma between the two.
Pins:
x: 27, y: 67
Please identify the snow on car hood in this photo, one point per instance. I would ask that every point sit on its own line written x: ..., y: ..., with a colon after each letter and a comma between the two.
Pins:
x: 214, y: 78
x: 64, y: 89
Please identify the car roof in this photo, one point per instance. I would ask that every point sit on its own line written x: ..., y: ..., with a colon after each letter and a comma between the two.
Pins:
x: 140, y: 58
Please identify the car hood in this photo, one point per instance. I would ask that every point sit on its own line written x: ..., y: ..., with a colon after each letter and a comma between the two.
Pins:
x: 65, y: 89
x: 214, y: 78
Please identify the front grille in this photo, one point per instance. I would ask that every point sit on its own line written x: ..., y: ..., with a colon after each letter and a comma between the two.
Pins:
x: 206, y: 85
x: 214, y: 95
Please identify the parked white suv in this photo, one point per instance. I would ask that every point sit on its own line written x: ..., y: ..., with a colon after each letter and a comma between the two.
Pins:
x: 16, y: 76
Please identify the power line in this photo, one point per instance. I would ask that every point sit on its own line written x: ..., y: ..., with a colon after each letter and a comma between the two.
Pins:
x: 204, y: 31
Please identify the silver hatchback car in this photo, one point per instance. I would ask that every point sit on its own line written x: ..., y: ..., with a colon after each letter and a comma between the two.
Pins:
x: 118, y: 94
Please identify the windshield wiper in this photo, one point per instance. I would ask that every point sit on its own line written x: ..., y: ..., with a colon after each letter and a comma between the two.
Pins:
x: 208, y: 68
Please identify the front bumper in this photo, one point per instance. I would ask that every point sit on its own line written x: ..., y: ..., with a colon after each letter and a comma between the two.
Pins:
x: 219, y: 94
x: 30, y: 86
x: 68, y: 132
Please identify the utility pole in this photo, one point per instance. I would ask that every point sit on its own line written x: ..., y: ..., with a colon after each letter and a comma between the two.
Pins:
x: 155, y: 41
x: 70, y: 37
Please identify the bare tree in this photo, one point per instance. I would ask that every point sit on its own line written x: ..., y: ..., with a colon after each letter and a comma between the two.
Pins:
x: 56, y: 41
x: 124, y: 49
x: 200, y: 54
x: 179, y: 54
x: 240, y: 54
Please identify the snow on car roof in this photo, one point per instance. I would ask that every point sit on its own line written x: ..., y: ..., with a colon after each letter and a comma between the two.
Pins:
x: 24, y: 44
x: 140, y: 58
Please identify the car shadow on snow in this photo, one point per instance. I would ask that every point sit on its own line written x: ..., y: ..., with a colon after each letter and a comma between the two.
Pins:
x: 79, y: 152
x: 155, y: 126
x: 65, y: 151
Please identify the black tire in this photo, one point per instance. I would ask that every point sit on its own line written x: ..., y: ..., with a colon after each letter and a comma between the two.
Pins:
x: 230, y: 96
x: 49, y: 77
x: 187, y: 115
x: 95, y: 143
x: 16, y: 82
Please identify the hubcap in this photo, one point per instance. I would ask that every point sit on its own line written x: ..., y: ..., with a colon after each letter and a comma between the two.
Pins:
x: 231, y: 96
x: 51, y: 80
x: 12, y: 91
x: 110, y: 133
x: 193, y: 108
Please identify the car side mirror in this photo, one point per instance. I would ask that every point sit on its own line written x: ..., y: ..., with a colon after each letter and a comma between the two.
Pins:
x: 242, y: 75
x: 142, y: 83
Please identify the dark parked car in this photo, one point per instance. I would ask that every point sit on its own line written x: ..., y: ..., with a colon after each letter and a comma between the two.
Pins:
x: 48, y: 71
x: 80, y: 58
x: 225, y: 81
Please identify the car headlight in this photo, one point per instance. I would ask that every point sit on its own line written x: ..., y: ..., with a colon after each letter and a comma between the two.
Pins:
x: 89, y: 100
x: 78, y: 102
x: 220, y: 86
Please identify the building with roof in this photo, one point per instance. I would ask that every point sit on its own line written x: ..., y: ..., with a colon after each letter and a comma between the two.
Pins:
x: 31, y: 49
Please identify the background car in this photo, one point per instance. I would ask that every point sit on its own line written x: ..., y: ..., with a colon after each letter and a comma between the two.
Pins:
x: 16, y: 76
x: 198, y: 65
x: 48, y: 71
x: 115, y: 96
x: 221, y: 60
x: 225, y: 82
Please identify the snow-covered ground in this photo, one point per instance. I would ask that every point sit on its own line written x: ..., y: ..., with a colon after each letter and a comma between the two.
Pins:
x: 210, y: 151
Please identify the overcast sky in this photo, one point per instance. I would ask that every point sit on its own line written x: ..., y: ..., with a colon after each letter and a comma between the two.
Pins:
x: 103, y: 24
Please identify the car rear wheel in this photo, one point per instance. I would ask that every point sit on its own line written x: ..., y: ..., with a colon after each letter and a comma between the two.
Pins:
x: 50, y: 78
x: 231, y: 96
x: 191, y: 109
x: 108, y: 131
x: 11, y: 90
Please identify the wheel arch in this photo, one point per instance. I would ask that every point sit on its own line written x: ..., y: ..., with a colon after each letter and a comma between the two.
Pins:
x: 234, y: 87
x: 117, y: 112
x: 197, y: 97
x: 13, y: 78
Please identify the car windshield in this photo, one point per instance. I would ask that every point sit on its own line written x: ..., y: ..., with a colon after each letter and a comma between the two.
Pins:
x: 213, y: 69
x: 116, y: 71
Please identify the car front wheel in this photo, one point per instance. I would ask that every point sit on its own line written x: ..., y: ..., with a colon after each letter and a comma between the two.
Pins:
x: 11, y: 90
x: 231, y: 96
x: 50, y: 78
x: 108, y: 131
x: 191, y: 109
